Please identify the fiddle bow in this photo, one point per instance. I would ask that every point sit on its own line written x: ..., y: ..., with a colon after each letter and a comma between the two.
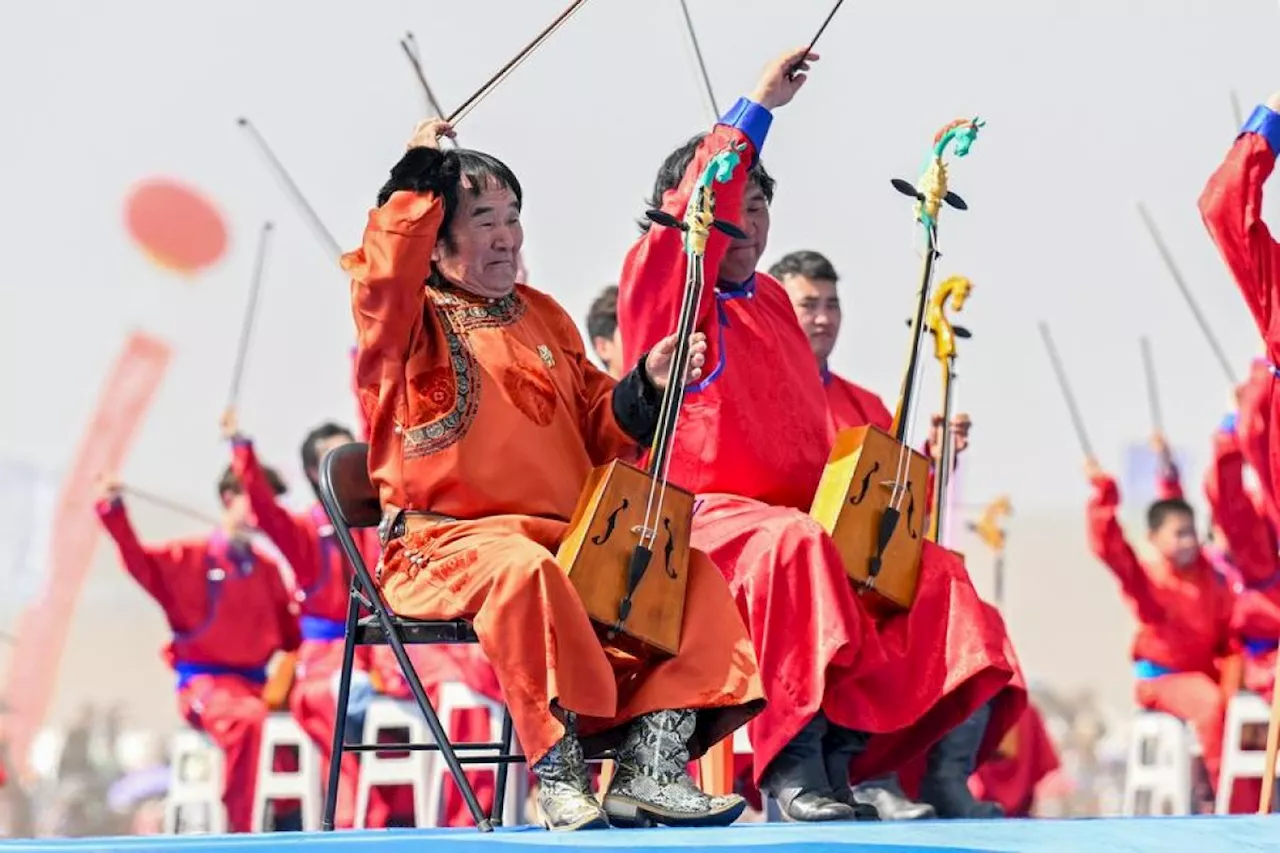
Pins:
x: 878, y: 530
x: 634, y: 608
x: 955, y: 290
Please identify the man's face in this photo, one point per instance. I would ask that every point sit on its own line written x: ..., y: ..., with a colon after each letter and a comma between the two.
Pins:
x: 818, y: 309
x: 740, y: 261
x: 322, y: 446
x: 609, y: 351
x: 1175, y: 539
x: 486, y: 237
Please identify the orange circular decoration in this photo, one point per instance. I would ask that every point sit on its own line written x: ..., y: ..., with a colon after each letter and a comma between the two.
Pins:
x: 174, y: 226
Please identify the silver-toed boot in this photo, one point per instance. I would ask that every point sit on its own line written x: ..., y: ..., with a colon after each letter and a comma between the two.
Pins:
x: 651, y: 783
x: 565, y: 802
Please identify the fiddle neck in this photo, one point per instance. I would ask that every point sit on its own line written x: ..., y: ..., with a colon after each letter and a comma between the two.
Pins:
x: 906, y: 398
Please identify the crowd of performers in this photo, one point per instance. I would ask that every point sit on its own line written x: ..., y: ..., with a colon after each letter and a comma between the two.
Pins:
x: 852, y: 714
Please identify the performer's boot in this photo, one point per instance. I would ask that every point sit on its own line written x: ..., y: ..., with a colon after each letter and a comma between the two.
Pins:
x: 797, y: 778
x: 651, y: 782
x: 839, y: 746
x: 950, y: 764
x: 565, y: 800
x: 889, y: 800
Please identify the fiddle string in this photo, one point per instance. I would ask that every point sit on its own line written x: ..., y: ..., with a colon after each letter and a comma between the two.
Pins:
x: 492, y: 83
x: 900, y: 493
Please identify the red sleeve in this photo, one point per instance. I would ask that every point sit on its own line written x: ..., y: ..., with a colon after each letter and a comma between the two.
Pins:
x: 1231, y: 206
x: 1249, y: 539
x: 1168, y: 481
x: 284, y: 531
x: 1253, y: 428
x: 1107, y: 542
x: 1225, y: 605
x: 1256, y: 615
x: 286, y: 605
x: 653, y: 274
x: 147, y: 565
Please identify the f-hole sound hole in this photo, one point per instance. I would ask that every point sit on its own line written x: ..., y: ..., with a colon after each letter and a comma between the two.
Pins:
x: 866, y: 485
x: 610, y: 523
x: 668, y: 549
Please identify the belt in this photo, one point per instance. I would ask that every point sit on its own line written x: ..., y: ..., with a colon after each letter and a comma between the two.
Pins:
x: 317, y: 628
x: 1256, y: 648
x: 1145, y: 669
x: 397, y: 522
x: 187, y: 671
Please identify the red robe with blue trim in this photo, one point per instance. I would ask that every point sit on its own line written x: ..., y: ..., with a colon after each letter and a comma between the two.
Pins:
x: 752, y: 444
x: 230, y: 611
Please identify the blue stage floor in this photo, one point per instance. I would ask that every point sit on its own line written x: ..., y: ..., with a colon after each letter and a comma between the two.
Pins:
x: 1113, y: 835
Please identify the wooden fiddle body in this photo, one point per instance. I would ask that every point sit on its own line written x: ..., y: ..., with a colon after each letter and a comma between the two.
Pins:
x: 627, y: 547
x: 873, y: 496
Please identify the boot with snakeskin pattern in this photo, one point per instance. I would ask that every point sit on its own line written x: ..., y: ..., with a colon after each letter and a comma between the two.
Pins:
x: 565, y: 801
x: 652, y: 784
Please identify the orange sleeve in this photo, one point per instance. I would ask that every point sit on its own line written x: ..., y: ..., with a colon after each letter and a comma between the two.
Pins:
x: 1107, y: 542
x: 603, y: 435
x: 147, y: 565
x: 275, y: 521
x: 653, y: 276
x: 388, y: 301
x: 1249, y: 539
x: 362, y: 417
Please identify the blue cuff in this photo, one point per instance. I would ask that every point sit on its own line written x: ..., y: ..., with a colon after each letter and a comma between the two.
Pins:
x: 750, y: 118
x: 1228, y: 424
x: 239, y: 440
x: 1266, y: 124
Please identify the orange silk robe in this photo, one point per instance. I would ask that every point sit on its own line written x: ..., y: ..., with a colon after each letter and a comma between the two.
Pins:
x: 488, y: 411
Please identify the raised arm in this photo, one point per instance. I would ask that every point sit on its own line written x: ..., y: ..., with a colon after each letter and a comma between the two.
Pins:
x: 653, y: 275
x: 1231, y: 206
x: 388, y: 273
x: 1253, y: 431
x: 1107, y: 542
x: 1249, y: 538
x: 148, y: 565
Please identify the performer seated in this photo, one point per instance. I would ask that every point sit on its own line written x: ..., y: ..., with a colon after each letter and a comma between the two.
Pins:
x: 486, y: 419
x: 1183, y: 607
x: 810, y: 280
x: 230, y: 611
x: 753, y: 443
x: 602, y: 329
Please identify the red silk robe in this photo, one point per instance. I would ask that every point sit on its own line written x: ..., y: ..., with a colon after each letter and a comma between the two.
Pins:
x: 850, y: 405
x: 489, y: 413
x: 1184, y: 625
x: 752, y: 443
x: 230, y: 611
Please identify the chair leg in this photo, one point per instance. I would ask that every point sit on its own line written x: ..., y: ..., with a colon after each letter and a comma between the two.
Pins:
x: 340, y: 725
x: 503, y: 769
x: 483, y: 823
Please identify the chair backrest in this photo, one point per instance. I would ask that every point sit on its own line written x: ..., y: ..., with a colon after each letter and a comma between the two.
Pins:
x: 351, y: 501
x: 346, y: 491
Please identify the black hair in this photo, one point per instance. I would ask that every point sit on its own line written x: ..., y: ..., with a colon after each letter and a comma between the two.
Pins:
x: 1160, y: 512
x: 677, y: 163
x: 602, y: 318
x: 311, y: 456
x: 230, y: 482
x: 445, y: 172
x: 811, y: 265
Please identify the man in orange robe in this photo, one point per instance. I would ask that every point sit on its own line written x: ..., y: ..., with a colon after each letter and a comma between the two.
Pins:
x: 486, y: 420
x: 1183, y: 606
x: 230, y: 611
x: 942, y: 776
x: 753, y: 442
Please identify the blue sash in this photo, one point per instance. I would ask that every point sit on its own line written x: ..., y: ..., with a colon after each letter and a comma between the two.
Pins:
x: 188, y: 671
x: 1145, y: 669
x: 316, y: 628
x: 1257, y: 648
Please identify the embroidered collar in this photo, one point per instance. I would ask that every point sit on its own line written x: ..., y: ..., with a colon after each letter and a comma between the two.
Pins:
x: 732, y: 290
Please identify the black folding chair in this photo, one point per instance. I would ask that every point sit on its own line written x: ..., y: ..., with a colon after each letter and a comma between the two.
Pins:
x: 351, y: 501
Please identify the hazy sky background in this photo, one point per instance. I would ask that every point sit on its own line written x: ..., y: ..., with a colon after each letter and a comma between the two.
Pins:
x: 1091, y: 106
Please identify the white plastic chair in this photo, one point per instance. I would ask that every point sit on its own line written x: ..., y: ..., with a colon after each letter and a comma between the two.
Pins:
x: 1245, y: 709
x: 196, y: 771
x: 281, y: 730
x: 1158, y: 773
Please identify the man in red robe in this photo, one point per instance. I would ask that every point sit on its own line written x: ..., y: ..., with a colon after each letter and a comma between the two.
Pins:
x: 941, y: 776
x: 1183, y: 606
x: 230, y: 612
x: 752, y: 443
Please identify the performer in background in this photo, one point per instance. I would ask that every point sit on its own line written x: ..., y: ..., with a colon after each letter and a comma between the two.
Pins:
x: 602, y: 329
x: 1183, y: 606
x: 457, y: 376
x: 230, y: 611
x: 753, y: 443
x: 942, y: 778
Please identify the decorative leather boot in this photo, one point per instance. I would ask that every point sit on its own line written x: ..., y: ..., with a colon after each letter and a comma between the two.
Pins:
x: 950, y: 764
x: 565, y: 801
x: 651, y: 782
x: 887, y: 797
x: 797, y: 778
x: 839, y: 746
